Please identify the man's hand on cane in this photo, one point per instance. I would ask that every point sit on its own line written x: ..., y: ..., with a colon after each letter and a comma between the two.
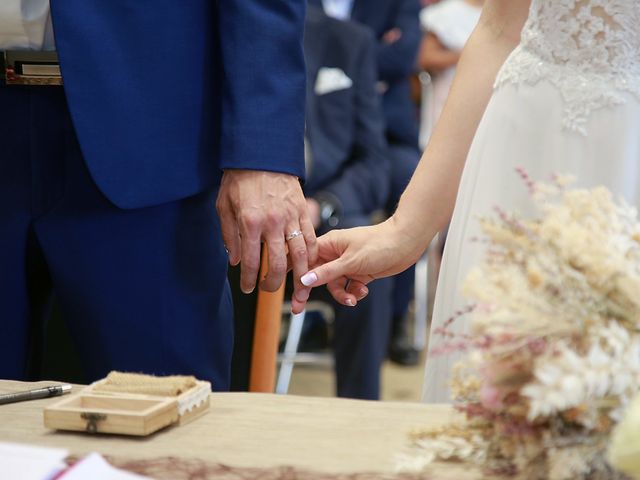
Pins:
x: 256, y: 206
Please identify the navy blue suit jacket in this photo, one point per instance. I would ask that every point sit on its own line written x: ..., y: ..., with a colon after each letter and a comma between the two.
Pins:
x: 164, y: 93
x: 396, y: 61
x: 346, y: 126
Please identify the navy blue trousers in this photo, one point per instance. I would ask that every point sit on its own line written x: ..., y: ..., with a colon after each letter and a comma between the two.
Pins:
x: 140, y: 290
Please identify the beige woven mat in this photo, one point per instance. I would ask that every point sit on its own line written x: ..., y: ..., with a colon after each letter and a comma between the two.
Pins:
x: 170, y: 386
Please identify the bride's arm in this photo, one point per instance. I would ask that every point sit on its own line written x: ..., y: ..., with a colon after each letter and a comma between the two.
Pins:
x: 432, y: 191
x: 363, y: 254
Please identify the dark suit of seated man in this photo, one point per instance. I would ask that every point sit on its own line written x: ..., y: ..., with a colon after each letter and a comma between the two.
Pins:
x: 348, y: 179
x: 396, y: 26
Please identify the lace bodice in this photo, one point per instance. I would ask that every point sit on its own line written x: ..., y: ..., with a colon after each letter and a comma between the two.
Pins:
x: 589, y: 49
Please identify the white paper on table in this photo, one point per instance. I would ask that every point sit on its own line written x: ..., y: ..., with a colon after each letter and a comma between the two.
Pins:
x: 95, y: 467
x: 28, y: 462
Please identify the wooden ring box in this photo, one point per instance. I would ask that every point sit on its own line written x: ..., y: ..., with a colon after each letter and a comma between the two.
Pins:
x: 126, y: 413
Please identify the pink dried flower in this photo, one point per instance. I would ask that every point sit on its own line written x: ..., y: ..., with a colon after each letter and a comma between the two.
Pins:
x: 475, y: 410
x: 528, y: 181
x: 537, y: 346
x: 516, y: 428
x: 491, y: 397
x: 451, y: 347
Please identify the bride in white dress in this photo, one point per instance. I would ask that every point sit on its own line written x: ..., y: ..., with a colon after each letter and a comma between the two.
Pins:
x: 565, y: 100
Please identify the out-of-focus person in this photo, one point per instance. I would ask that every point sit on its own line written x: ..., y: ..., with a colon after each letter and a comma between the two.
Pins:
x: 447, y: 25
x: 348, y: 179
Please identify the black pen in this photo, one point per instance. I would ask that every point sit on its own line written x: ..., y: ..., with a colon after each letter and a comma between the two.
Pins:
x: 46, y: 392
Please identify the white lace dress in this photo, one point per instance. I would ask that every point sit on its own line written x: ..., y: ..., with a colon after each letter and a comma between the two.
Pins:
x: 567, y: 100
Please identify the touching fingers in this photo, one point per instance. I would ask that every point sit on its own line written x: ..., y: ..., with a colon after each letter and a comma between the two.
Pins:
x: 299, y: 261
x: 250, y: 255
x: 358, y: 289
x: 297, y: 306
x: 324, y: 273
x: 339, y: 291
x: 309, y: 234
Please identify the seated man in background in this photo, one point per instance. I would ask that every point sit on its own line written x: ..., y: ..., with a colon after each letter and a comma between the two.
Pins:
x: 396, y: 26
x: 348, y: 179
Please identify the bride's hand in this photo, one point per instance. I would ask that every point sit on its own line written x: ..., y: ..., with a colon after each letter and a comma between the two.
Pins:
x: 349, y: 259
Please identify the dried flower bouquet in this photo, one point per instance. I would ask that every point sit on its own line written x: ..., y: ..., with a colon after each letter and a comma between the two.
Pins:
x: 554, y: 351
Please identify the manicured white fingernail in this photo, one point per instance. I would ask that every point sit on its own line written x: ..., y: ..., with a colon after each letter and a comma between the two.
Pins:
x: 350, y: 302
x: 309, y: 279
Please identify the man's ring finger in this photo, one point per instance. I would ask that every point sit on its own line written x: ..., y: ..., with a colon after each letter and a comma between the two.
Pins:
x: 294, y: 234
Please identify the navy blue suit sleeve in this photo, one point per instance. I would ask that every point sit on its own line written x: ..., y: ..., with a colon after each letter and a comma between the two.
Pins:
x: 264, y: 85
x: 397, y: 60
x: 363, y: 185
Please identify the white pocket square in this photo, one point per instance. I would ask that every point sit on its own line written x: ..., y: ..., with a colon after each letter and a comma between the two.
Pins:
x: 331, y: 79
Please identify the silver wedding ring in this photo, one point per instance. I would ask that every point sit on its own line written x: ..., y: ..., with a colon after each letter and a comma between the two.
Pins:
x: 294, y: 234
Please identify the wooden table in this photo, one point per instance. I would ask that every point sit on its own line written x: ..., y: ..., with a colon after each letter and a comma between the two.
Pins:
x: 253, y: 430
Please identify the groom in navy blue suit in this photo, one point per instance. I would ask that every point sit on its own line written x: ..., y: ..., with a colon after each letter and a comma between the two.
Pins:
x: 109, y: 185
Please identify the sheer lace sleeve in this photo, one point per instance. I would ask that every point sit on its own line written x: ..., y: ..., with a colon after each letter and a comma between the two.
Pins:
x: 590, y: 49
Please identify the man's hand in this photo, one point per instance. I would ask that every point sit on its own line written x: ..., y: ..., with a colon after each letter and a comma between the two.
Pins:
x: 257, y: 206
x: 314, y: 212
x: 392, y: 36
